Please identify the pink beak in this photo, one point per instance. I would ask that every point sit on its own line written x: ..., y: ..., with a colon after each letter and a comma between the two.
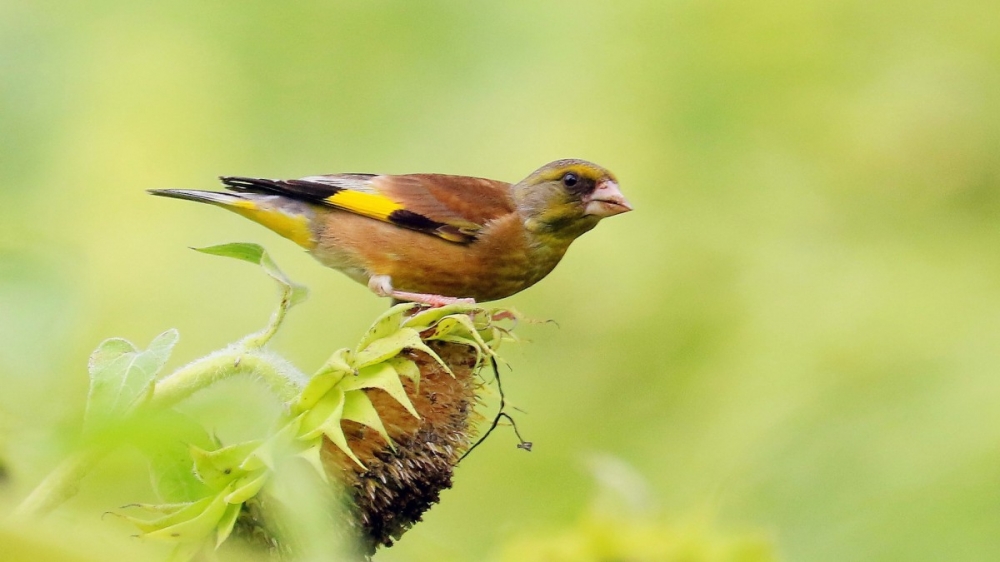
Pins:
x: 605, y: 201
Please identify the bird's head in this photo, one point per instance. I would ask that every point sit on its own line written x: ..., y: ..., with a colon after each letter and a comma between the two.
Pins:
x: 566, y: 198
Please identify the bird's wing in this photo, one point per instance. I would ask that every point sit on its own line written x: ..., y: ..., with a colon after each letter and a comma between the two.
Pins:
x: 454, y: 208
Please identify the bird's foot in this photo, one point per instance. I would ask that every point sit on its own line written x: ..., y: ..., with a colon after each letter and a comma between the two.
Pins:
x: 432, y: 300
x: 381, y: 285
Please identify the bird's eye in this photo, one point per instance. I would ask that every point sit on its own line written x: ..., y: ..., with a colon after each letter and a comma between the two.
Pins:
x: 570, y: 179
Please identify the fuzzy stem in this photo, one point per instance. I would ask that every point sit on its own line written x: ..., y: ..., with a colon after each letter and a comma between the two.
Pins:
x: 60, y: 485
x: 283, y: 379
x: 259, y: 339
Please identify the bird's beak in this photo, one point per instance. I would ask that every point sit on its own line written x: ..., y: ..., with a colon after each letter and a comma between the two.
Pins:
x: 605, y: 201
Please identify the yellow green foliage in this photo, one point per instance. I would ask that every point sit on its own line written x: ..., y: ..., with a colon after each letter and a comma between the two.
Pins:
x: 614, y: 539
x: 228, y: 476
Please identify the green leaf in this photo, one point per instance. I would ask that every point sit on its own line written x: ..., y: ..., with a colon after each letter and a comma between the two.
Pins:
x: 174, y: 514
x: 384, y: 348
x: 169, y: 453
x: 387, y: 324
x: 339, y: 362
x: 255, y: 253
x: 247, y: 487
x: 217, y: 469
x: 121, y: 376
x: 382, y: 376
x: 158, y: 509
x: 197, y: 523
x: 332, y: 404
x: 335, y: 434
x: 185, y: 552
x: 494, y: 336
x: 464, y: 341
x: 466, y: 327
x: 421, y: 346
x: 406, y: 368
x: 324, y: 419
x: 336, y: 368
x: 311, y: 455
x: 358, y: 408
x: 226, y: 523
x: 459, y: 328
x: 427, y: 318
x: 282, y: 444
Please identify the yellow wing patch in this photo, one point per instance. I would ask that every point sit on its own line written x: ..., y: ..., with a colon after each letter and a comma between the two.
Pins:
x: 382, y: 208
x: 365, y: 204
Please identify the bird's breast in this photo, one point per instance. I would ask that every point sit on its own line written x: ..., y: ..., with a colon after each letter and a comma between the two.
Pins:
x: 503, y: 260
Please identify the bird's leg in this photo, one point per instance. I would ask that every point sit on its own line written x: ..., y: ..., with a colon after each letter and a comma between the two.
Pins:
x: 432, y: 300
x: 381, y: 285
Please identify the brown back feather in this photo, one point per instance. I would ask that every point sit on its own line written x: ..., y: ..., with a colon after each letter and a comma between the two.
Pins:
x: 457, y: 200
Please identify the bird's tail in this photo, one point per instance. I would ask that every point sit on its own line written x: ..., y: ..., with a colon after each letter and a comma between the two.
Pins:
x: 288, y: 217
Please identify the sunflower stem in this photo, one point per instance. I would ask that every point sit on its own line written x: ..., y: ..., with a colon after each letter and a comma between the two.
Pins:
x: 259, y: 339
x: 284, y: 380
x: 60, y: 485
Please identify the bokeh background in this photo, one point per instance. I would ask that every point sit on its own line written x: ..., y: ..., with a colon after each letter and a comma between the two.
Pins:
x: 795, y: 335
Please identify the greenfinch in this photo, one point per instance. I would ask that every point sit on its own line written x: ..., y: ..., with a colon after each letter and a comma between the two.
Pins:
x: 430, y: 238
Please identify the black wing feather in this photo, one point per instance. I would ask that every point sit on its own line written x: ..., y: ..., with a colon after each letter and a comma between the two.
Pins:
x: 301, y: 189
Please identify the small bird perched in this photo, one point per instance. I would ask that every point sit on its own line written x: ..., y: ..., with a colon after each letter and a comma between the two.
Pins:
x: 430, y: 238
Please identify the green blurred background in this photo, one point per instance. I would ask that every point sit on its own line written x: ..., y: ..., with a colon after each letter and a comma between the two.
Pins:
x: 796, y: 333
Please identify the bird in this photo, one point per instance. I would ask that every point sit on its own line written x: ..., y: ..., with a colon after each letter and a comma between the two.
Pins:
x: 434, y: 239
